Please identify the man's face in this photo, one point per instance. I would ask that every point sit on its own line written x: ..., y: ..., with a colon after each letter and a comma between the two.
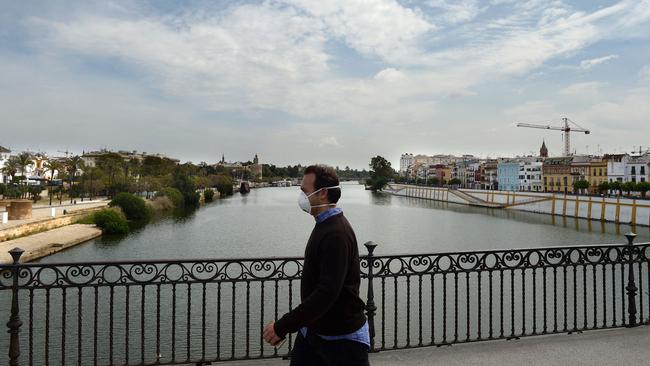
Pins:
x: 307, y: 186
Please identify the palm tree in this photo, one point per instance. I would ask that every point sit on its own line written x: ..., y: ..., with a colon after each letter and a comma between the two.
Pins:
x: 11, y: 167
x: 52, y: 166
x: 72, y: 164
x: 24, y: 160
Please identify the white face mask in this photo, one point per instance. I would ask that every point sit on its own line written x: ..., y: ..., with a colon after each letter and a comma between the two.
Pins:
x: 305, y: 205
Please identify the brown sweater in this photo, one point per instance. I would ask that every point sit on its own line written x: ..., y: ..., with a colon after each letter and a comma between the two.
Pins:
x: 329, y: 287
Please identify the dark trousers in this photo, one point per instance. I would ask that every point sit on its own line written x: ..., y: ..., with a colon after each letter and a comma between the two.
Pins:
x: 316, y: 351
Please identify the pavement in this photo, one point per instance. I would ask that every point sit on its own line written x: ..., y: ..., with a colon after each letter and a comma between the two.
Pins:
x: 41, y: 211
x: 48, y: 242
x: 622, y: 346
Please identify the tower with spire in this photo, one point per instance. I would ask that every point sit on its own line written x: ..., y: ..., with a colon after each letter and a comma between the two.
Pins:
x: 543, y: 151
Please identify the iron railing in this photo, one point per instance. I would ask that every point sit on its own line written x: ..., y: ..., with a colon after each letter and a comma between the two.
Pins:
x: 202, y: 311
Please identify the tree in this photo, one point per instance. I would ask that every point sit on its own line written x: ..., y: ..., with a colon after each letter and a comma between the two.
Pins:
x: 616, y: 187
x: 603, y: 187
x: 72, y: 164
x: 53, y: 167
x: 11, y: 167
x: 24, y: 160
x: 629, y: 187
x: 643, y: 187
x: 580, y: 185
x: 454, y: 182
x: 380, y: 173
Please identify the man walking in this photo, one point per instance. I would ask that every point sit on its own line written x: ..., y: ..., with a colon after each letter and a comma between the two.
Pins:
x: 332, y: 328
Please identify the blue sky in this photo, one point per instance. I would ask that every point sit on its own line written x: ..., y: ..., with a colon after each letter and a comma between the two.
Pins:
x: 331, y: 82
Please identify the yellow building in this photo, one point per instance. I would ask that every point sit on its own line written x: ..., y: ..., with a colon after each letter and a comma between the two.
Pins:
x: 556, y: 173
x: 597, y: 174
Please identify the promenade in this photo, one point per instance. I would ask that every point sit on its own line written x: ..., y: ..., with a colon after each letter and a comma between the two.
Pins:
x: 42, y: 211
x: 623, y: 346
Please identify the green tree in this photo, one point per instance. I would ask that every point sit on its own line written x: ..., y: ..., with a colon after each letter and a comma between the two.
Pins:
x: 380, y: 173
x: 629, y: 187
x: 72, y: 165
x: 580, y: 186
x: 616, y: 187
x: 454, y: 182
x: 603, y: 187
x: 11, y: 167
x: 134, y: 207
x: 643, y: 187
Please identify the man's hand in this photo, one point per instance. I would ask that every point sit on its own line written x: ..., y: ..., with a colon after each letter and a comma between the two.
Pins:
x: 269, y: 334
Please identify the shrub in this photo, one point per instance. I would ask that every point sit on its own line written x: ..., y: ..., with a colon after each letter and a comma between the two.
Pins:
x: 160, y: 204
x: 35, y: 192
x: 111, y: 221
x: 224, y: 185
x: 133, y: 207
x: 208, y: 194
x: 174, y: 195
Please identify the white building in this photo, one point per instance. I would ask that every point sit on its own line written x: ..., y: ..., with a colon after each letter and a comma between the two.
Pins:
x: 4, y: 156
x: 616, y: 167
x: 405, y: 162
x: 530, y: 175
x: 637, y: 168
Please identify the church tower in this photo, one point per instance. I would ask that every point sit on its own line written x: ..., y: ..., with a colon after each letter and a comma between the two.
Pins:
x: 543, y: 151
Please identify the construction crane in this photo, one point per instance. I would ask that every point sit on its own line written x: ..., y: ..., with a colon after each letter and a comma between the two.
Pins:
x: 567, y: 129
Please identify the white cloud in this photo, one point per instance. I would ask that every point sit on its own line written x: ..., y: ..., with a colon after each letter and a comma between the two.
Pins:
x: 588, y: 64
x: 454, y: 12
x: 329, y: 141
x: 644, y: 73
x: 278, y: 56
x: 588, y: 89
x: 381, y: 28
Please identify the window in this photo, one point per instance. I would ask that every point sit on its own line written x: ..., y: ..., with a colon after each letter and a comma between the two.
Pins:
x: 643, y: 170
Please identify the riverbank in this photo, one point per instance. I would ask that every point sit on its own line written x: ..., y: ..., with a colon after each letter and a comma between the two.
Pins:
x: 43, y: 244
x: 606, y: 209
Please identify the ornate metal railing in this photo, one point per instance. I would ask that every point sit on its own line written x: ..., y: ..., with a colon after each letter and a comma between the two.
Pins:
x: 201, y: 311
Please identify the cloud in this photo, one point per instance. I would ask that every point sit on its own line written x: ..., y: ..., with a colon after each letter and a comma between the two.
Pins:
x: 644, y: 73
x: 588, y: 64
x: 329, y: 141
x: 454, y: 12
x: 588, y: 89
x: 273, y: 67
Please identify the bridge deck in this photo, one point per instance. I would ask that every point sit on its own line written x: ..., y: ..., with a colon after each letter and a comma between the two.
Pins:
x: 594, y: 348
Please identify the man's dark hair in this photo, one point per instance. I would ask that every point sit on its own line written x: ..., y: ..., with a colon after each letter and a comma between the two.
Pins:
x: 325, y: 177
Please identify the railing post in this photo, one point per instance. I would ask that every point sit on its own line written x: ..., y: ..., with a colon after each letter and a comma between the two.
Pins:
x: 370, y: 304
x: 631, y: 286
x: 14, y: 322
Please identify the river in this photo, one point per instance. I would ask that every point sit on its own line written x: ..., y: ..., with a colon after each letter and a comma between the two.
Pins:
x: 268, y: 222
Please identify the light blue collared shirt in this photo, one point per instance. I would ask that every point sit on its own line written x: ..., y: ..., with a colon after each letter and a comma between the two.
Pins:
x: 360, y: 335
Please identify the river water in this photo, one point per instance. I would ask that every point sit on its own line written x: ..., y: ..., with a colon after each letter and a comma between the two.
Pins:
x: 268, y: 222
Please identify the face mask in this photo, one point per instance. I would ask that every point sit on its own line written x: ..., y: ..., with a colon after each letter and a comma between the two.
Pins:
x: 305, y: 205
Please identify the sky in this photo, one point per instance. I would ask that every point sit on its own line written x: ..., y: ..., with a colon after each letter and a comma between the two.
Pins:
x: 334, y: 82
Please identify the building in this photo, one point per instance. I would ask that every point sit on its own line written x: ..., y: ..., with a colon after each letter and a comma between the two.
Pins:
x: 508, y: 175
x: 556, y: 174
x: 4, y: 156
x: 597, y: 174
x: 442, y: 172
x: 638, y: 168
x: 543, y: 151
x: 256, y: 168
x: 405, y: 162
x: 616, y: 164
x: 489, y: 175
x: 530, y: 175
